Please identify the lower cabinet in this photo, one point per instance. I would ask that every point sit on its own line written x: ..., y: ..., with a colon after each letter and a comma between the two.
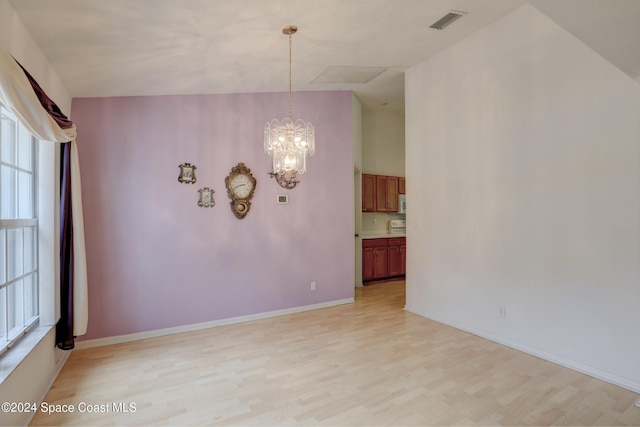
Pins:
x: 374, y: 259
x: 383, y: 258
x: 397, y: 250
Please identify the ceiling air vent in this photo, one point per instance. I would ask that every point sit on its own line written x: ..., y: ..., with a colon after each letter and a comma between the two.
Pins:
x: 447, y: 19
x: 348, y: 74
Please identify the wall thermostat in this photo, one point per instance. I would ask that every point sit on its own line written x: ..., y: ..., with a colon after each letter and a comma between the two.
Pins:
x: 282, y: 199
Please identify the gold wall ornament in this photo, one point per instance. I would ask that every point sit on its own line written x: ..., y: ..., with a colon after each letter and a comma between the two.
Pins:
x: 285, y: 180
x: 187, y: 173
x: 206, y: 198
x: 240, y: 185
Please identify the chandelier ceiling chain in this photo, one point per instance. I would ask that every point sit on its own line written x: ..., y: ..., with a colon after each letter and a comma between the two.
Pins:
x: 290, y: 30
x: 289, y: 141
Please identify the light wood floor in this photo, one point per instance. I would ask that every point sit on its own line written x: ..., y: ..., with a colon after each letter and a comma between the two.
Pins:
x: 367, y: 363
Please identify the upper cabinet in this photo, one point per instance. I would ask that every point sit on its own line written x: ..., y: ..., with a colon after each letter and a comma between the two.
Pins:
x: 368, y: 193
x: 380, y: 193
x: 387, y: 193
x: 401, y: 185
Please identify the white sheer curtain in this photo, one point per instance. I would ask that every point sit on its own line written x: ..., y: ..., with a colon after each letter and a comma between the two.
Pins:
x: 17, y: 94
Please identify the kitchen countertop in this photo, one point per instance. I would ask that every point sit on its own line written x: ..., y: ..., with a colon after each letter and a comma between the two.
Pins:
x: 380, y: 235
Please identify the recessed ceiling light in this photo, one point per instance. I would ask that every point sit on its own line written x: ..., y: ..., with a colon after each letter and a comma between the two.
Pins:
x: 346, y: 74
x: 447, y: 19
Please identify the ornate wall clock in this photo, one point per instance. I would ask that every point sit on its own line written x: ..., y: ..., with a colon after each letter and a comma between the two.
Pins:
x: 240, y: 187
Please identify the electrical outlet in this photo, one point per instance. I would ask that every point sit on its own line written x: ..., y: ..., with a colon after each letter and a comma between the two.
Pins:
x: 502, y: 312
x: 313, y: 286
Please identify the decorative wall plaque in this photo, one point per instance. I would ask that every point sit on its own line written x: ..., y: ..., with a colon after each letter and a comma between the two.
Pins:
x: 187, y: 173
x: 206, y: 198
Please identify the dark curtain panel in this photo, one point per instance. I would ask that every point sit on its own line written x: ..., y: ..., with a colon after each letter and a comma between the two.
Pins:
x: 64, y: 328
x: 51, y: 107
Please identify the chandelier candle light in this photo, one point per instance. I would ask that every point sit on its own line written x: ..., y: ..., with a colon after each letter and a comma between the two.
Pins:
x: 287, y: 141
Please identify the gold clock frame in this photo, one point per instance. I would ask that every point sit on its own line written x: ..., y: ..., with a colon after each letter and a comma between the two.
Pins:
x: 240, y: 206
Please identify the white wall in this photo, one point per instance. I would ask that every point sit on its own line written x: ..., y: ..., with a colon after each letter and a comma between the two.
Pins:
x: 383, y: 143
x: 33, y: 376
x: 356, y: 117
x: 523, y: 165
x: 357, y: 188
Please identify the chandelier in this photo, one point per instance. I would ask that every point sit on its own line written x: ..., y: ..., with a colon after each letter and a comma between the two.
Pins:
x: 289, y: 141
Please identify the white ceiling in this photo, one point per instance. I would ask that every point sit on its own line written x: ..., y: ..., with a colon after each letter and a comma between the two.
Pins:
x: 156, y: 47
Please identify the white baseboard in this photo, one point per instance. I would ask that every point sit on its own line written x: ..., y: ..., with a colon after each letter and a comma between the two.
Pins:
x: 205, y: 325
x: 559, y: 360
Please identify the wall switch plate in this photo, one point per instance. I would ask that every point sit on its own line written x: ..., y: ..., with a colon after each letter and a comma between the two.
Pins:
x: 282, y: 199
x: 313, y: 286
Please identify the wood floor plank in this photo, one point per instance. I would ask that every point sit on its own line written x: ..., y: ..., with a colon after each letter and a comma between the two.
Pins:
x: 367, y: 363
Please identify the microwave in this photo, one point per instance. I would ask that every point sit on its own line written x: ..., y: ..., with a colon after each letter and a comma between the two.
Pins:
x: 402, y: 204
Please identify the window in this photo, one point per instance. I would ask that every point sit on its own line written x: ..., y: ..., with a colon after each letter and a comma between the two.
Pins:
x: 19, y: 286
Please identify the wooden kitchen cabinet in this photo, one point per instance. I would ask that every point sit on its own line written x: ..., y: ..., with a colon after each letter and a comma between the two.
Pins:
x: 397, y: 253
x: 380, y: 192
x: 368, y: 193
x: 374, y: 259
x: 402, y: 185
x: 386, y: 193
x: 383, y: 258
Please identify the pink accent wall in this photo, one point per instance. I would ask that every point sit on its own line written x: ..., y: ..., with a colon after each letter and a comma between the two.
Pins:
x: 157, y: 260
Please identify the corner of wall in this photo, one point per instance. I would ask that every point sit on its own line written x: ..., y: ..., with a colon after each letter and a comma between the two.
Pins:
x: 15, y: 38
x: 356, y: 117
